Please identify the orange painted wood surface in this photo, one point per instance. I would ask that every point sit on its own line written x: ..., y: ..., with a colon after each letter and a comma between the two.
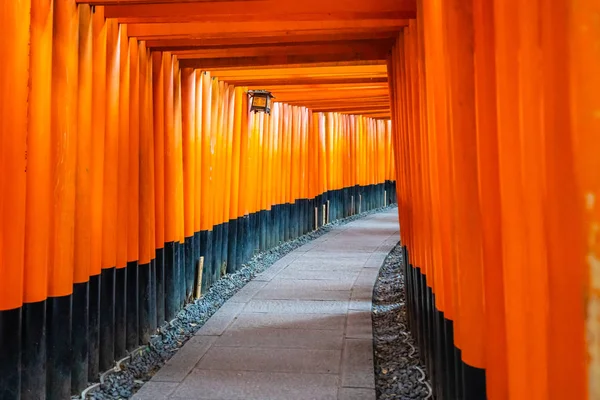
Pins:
x: 64, y: 148
x: 15, y: 38
x: 39, y: 173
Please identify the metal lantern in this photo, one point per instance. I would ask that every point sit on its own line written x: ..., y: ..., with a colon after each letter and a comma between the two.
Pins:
x: 260, y: 100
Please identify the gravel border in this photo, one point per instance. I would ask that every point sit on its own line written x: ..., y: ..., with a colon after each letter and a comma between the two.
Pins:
x: 139, y: 366
x: 399, y: 374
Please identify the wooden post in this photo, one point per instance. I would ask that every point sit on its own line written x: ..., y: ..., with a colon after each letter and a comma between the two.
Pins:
x: 199, y: 278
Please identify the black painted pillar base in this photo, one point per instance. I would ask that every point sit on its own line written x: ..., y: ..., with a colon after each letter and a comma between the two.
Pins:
x: 132, y: 330
x: 153, y: 300
x: 296, y: 219
x: 144, y: 303
x: 331, y: 208
x: 217, y: 253
x: 159, y: 266
x: 339, y: 195
x: 319, y: 212
x: 250, y: 238
x: 205, y: 239
x: 308, y: 215
x: 287, y: 218
x: 458, y: 365
x: 439, y: 353
x: 305, y: 216
x: 189, y: 267
x: 33, y: 362
x: 120, y: 310
x: 280, y: 224
x: 153, y: 320
x: 209, y: 258
x: 179, y: 270
x: 80, y: 337
x: 59, y: 351
x: 224, y: 249
x: 450, y: 364
x: 196, y: 256
x: 424, y: 316
x: 10, y: 354
x: 255, y: 237
x: 210, y: 261
x: 429, y: 321
x: 171, y: 297
x: 271, y: 229
x: 293, y: 207
x: 213, y: 255
x: 232, y: 233
x: 473, y: 382
x: 107, y: 319
x: 94, y: 328
x: 262, y: 222
x: 243, y: 226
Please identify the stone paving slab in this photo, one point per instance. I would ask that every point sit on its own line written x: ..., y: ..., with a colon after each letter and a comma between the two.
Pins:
x: 252, y: 385
x: 356, y: 394
x: 217, y: 324
x: 359, y: 325
x: 298, y: 293
x: 282, y: 338
x: 289, y: 321
x: 180, y: 365
x: 156, y: 390
x: 300, y: 274
x: 297, y: 306
x: 341, y: 284
x: 326, y: 264
x: 301, y: 330
x: 247, y: 292
x: 271, y: 360
x: 357, y: 363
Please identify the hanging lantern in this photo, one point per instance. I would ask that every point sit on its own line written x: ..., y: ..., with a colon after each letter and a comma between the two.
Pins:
x: 260, y: 100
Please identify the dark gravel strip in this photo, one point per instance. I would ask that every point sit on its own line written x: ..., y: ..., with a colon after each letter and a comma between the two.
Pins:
x: 399, y: 375
x: 146, y: 361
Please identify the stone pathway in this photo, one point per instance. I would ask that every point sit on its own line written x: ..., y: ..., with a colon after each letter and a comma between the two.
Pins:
x: 300, y: 330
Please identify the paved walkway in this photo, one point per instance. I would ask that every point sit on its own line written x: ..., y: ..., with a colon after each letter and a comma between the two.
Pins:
x: 300, y: 330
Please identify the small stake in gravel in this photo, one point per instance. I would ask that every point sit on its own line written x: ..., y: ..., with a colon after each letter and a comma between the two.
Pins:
x: 328, y: 210
x: 316, y: 218
x: 324, y: 214
x: 384, y: 197
x: 199, y: 284
x: 352, y: 198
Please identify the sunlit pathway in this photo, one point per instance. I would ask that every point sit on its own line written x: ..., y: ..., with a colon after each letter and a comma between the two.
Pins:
x: 300, y: 330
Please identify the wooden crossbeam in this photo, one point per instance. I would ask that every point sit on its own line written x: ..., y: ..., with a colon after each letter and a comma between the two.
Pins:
x: 180, y: 10
x: 210, y: 64
x: 281, y: 67
x: 309, y: 83
x: 379, y: 48
x: 257, y: 28
x: 310, y: 71
x: 171, y: 44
